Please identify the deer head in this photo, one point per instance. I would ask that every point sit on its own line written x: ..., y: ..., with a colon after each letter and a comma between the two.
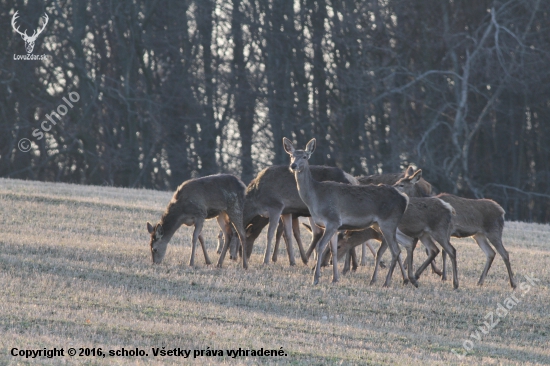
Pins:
x: 158, y: 241
x: 29, y: 40
x: 298, y: 158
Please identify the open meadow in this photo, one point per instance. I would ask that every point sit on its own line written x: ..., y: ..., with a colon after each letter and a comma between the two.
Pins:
x: 76, y: 271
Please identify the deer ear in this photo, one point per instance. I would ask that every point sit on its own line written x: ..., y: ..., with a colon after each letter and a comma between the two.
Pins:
x: 289, y: 147
x: 310, y: 147
x: 159, y: 232
x: 409, y: 171
x: 149, y: 227
x: 416, y: 176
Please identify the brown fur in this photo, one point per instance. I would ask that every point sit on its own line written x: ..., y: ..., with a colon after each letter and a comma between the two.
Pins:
x: 273, y: 193
x: 424, y: 188
x: 195, y: 201
x: 337, y: 206
x: 481, y: 218
x: 423, y: 217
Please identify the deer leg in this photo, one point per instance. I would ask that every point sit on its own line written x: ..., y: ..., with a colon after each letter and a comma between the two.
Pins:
x: 274, y: 218
x: 206, y: 258
x: 388, y: 231
x: 220, y: 242
x: 287, y: 227
x: 347, y: 262
x: 444, y: 266
x: 425, y: 241
x: 496, y: 239
x: 364, y: 254
x: 369, y: 245
x: 334, y: 250
x: 223, y: 223
x: 409, y: 243
x: 413, y: 246
x: 198, y: 229
x: 296, y: 232
x: 236, y: 217
x: 433, y: 264
x: 235, y: 247
x: 317, y: 233
x: 280, y: 232
x: 381, y: 250
x: 451, y: 251
x: 327, y: 235
x: 327, y: 258
x: 353, y: 256
x: 481, y: 240
x: 432, y: 251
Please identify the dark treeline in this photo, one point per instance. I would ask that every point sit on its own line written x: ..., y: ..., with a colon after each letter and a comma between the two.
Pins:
x: 171, y: 90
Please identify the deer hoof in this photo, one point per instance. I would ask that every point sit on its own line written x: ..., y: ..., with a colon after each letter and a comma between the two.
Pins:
x: 406, y: 281
x: 382, y: 264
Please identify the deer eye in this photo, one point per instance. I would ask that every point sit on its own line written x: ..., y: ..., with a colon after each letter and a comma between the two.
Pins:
x: 304, y: 157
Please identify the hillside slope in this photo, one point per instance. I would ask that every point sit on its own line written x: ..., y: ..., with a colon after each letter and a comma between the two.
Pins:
x: 76, y: 271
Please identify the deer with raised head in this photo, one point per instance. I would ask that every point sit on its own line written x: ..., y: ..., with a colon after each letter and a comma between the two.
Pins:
x: 482, y: 219
x: 272, y: 196
x: 391, y: 179
x: 29, y: 40
x: 424, y: 217
x: 336, y: 206
x: 218, y: 196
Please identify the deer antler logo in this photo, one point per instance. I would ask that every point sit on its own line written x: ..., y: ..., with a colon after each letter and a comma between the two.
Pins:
x: 29, y: 41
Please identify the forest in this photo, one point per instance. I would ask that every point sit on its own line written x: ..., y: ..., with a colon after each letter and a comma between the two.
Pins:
x: 171, y: 90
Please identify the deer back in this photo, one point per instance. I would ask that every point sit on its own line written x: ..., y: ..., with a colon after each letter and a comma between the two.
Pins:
x: 275, y: 186
x: 474, y: 215
x: 422, y: 187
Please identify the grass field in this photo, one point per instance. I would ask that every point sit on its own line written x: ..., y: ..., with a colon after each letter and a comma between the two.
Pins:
x: 76, y: 271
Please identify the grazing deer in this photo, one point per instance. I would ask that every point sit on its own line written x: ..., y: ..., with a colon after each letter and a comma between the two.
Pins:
x: 197, y: 200
x: 273, y: 195
x: 335, y: 206
x: 482, y: 219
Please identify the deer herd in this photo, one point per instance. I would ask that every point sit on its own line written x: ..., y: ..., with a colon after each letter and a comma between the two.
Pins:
x: 343, y: 210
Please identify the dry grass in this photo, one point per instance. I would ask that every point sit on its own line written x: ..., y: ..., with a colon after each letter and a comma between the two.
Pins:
x: 76, y: 271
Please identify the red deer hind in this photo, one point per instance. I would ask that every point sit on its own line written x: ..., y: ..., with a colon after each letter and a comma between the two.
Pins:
x: 197, y: 200
x: 336, y: 206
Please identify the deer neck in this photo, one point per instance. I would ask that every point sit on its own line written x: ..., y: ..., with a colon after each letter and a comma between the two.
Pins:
x: 306, y: 186
x: 171, y: 221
